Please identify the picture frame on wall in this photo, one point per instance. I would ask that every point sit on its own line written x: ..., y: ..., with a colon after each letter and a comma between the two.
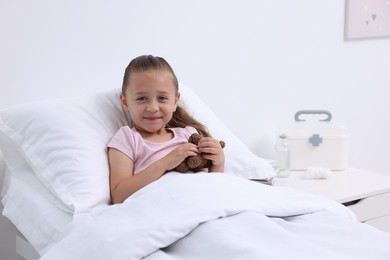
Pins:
x: 367, y: 19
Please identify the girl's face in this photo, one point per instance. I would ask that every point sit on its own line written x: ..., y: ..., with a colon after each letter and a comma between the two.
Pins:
x: 150, y: 98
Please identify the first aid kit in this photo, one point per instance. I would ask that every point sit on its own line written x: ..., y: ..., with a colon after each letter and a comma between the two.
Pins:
x: 317, y: 143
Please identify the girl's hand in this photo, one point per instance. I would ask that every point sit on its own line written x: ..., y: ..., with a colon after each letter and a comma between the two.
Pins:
x: 178, y: 155
x: 211, y: 149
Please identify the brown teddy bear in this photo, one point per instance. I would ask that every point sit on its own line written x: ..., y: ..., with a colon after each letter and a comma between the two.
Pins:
x: 195, y: 163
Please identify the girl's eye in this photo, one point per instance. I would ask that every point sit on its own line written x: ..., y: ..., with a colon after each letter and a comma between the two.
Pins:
x: 163, y: 98
x: 141, y: 98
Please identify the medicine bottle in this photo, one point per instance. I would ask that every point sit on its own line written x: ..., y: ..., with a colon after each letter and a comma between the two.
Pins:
x: 282, y: 149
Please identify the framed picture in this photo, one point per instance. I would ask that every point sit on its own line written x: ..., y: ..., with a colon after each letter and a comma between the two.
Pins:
x: 367, y: 19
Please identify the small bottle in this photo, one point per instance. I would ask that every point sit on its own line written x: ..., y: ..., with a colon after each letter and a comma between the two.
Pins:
x: 282, y: 149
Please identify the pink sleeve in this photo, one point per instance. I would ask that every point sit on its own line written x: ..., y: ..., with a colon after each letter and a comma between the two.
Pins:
x: 123, y: 140
x: 191, y: 130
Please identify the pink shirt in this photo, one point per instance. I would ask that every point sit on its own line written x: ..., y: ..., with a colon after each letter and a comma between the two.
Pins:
x: 143, y: 153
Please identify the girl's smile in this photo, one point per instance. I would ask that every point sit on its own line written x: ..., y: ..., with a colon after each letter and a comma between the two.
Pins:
x: 153, y: 118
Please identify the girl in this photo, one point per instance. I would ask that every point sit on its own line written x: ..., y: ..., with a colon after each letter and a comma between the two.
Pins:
x: 158, y: 141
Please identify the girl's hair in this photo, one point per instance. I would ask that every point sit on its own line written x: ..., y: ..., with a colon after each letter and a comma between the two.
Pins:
x: 180, y: 118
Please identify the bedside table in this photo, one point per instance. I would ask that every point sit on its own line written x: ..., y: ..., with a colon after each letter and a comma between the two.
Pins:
x: 366, y: 193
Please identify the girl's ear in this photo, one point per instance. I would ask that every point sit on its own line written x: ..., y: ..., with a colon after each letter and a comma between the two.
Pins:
x: 124, y: 103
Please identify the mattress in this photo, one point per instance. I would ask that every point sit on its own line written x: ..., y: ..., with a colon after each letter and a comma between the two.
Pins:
x: 40, y: 219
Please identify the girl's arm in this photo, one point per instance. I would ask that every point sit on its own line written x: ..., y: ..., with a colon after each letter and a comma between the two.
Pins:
x: 122, y: 181
x: 211, y: 149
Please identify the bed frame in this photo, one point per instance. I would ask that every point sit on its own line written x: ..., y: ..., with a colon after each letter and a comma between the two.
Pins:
x: 13, y: 245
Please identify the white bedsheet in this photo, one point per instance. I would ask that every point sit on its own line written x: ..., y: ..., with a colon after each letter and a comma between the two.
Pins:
x: 217, y: 216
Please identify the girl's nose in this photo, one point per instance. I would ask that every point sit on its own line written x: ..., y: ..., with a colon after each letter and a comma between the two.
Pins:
x: 152, y: 107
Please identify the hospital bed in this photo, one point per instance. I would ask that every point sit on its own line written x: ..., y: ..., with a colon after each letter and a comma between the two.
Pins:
x: 55, y: 191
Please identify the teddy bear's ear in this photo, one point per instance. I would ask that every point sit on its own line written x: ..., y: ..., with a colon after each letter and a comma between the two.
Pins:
x: 194, y: 138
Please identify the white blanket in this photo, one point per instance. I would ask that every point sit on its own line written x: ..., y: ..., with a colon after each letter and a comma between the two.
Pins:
x: 218, y: 216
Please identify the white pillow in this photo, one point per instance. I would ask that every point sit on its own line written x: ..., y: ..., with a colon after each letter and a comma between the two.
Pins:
x: 64, y: 142
x: 239, y: 160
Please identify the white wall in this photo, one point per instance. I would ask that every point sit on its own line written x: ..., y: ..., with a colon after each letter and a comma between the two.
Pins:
x: 254, y: 62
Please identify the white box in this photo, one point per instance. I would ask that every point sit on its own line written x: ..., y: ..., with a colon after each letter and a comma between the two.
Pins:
x: 319, y: 143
